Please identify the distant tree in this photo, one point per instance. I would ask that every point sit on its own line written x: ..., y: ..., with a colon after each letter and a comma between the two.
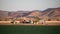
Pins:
x: 57, y: 19
x: 0, y: 19
x: 38, y: 18
x: 49, y: 19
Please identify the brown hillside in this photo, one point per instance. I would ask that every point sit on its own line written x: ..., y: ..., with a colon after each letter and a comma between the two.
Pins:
x: 35, y: 13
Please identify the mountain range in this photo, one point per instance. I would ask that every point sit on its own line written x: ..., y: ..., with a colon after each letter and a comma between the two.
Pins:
x: 50, y: 13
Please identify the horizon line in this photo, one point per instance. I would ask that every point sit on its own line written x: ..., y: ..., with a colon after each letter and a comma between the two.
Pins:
x: 27, y: 10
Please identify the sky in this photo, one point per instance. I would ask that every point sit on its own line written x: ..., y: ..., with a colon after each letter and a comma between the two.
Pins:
x: 28, y: 5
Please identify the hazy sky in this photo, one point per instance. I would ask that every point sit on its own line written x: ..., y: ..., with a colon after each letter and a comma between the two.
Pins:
x: 14, y: 5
